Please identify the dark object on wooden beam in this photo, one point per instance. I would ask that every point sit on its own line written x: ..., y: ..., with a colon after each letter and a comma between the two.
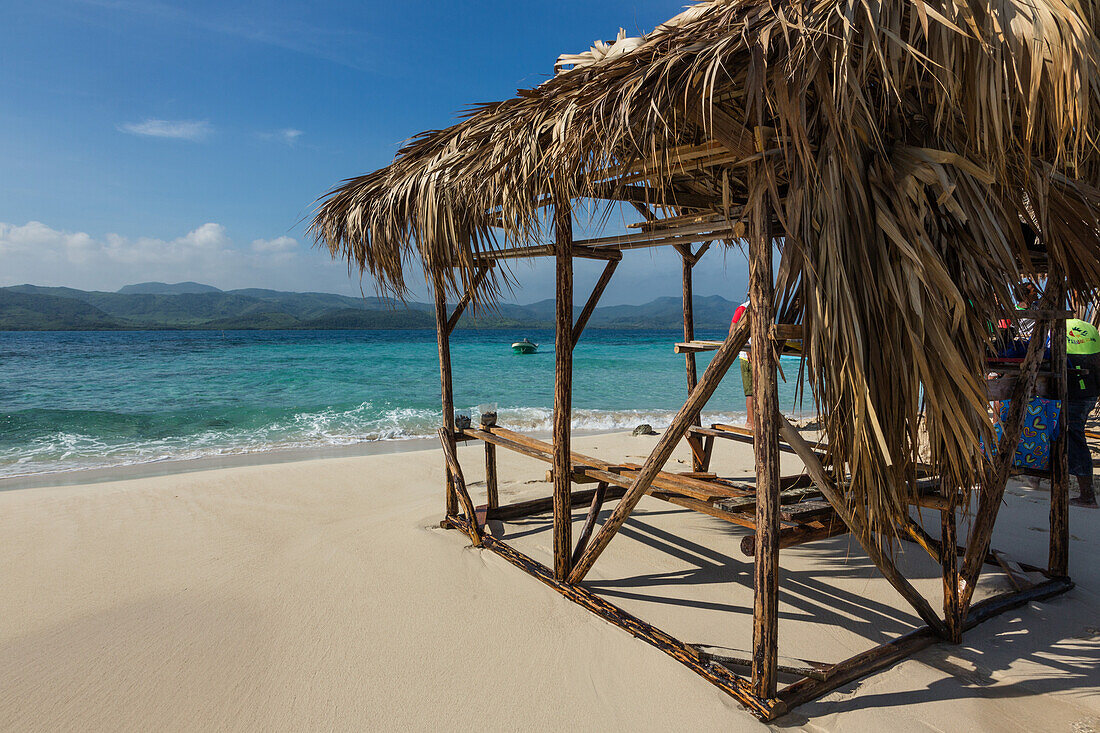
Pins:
x: 644, y: 195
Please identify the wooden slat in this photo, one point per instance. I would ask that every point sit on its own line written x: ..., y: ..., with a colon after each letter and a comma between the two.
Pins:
x: 798, y: 535
x: 1015, y: 573
x: 787, y: 665
x: 804, y: 510
x: 694, y: 347
x: 531, y: 507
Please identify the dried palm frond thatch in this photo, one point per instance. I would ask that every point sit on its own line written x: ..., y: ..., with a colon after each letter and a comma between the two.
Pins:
x: 912, y: 150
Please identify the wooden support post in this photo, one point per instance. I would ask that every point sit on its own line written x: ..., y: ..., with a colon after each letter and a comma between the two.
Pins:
x: 1058, y: 561
x: 719, y: 365
x: 443, y: 338
x: 689, y: 319
x: 492, y: 499
x: 765, y: 646
x: 563, y: 387
x: 949, y: 560
x: 870, y: 545
x: 688, y: 263
x: 594, y: 298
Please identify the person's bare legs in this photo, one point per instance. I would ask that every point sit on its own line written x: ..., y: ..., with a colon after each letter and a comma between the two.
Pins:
x: 748, y: 406
x: 1086, y: 497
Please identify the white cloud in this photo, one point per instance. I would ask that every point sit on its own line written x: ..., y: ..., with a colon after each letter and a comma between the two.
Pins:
x: 174, y: 129
x: 279, y: 244
x: 38, y: 254
x: 287, y: 135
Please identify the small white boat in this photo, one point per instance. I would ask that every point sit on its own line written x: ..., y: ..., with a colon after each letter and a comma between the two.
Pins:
x: 524, y: 347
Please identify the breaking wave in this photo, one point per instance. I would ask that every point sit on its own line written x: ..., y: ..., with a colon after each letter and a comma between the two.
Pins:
x: 46, y: 441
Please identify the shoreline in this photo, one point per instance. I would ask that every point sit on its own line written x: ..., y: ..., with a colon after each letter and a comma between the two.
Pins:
x: 271, y: 457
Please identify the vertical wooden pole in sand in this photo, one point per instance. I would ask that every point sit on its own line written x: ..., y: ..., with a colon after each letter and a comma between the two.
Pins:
x: 1058, y: 565
x: 689, y: 335
x: 766, y: 418
x: 563, y: 386
x: 766, y: 451
x: 443, y: 337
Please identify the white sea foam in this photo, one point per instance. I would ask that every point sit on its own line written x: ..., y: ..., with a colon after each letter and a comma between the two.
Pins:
x: 72, y: 451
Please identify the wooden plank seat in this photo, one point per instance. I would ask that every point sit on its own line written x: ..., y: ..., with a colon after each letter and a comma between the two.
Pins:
x: 738, y: 434
x: 803, y: 517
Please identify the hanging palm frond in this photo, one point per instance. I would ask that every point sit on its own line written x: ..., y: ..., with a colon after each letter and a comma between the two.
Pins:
x: 912, y: 150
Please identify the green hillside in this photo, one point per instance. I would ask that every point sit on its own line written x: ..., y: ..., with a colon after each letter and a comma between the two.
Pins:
x: 28, y: 312
x: 155, y: 306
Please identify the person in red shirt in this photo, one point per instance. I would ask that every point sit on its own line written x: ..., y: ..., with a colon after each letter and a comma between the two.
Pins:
x: 746, y: 366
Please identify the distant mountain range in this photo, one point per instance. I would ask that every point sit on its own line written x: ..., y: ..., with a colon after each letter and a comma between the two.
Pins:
x: 161, y: 306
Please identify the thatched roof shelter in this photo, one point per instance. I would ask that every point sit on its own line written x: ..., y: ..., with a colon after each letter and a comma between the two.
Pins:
x: 913, y: 152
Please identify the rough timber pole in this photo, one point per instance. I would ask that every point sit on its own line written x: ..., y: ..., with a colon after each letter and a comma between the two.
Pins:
x: 1058, y: 565
x: 765, y: 625
x: 949, y: 562
x: 443, y: 337
x: 563, y: 387
x: 689, y: 319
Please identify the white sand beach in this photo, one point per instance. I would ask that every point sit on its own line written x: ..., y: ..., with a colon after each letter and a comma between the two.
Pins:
x: 321, y: 595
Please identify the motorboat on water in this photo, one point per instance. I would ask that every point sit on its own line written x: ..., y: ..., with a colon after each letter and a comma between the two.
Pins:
x: 524, y: 347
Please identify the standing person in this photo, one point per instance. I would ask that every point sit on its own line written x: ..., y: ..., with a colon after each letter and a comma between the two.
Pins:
x: 1083, y: 388
x: 1027, y: 295
x: 746, y: 365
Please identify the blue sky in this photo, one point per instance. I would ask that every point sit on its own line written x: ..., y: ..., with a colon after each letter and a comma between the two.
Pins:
x: 170, y: 140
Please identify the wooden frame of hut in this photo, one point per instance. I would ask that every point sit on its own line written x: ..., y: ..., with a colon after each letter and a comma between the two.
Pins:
x: 910, y: 160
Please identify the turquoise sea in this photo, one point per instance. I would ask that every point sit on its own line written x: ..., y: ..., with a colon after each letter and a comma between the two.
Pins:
x: 71, y: 401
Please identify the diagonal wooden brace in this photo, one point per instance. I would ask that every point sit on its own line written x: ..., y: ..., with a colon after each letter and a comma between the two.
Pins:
x: 885, y: 565
x: 716, y: 370
x: 467, y: 297
x: 459, y: 484
x: 594, y: 298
